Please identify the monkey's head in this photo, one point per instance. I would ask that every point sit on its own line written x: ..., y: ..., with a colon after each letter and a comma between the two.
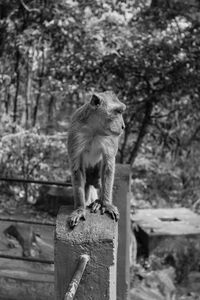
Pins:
x: 107, y: 113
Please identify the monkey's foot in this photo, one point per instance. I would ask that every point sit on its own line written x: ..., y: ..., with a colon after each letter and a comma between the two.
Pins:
x: 111, y: 209
x: 76, y: 216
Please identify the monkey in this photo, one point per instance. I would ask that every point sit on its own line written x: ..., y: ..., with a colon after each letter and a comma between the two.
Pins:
x: 93, y: 137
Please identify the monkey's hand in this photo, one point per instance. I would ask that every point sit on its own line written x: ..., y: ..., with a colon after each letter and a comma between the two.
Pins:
x: 76, y: 216
x: 105, y: 207
x: 111, y: 210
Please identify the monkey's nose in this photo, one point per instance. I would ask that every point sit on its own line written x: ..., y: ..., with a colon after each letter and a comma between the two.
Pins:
x: 123, y: 127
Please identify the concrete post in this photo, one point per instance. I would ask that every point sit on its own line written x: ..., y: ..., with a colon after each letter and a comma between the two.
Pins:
x: 97, y: 237
x: 121, y: 199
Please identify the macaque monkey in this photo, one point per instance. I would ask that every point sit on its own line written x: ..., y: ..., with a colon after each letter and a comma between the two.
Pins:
x: 92, y: 146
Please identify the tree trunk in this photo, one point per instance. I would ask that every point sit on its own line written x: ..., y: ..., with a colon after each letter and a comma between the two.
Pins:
x: 122, y: 150
x: 37, y: 100
x: 17, y: 86
x: 28, y: 93
x: 142, y: 132
x: 7, y: 100
x: 125, y: 140
x: 50, y: 114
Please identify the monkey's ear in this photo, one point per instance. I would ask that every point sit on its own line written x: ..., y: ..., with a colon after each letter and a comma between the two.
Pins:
x: 95, y: 101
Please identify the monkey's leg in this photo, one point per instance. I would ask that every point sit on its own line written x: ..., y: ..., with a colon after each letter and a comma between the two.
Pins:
x: 78, y: 182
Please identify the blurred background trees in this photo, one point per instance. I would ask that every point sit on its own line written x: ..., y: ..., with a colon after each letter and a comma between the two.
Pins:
x: 53, y: 54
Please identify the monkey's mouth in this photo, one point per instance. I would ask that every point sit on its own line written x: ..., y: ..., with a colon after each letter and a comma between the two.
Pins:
x: 116, y: 133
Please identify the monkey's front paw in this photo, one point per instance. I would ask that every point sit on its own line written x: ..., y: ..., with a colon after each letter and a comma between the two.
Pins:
x: 111, y: 210
x: 95, y: 206
x: 76, y: 216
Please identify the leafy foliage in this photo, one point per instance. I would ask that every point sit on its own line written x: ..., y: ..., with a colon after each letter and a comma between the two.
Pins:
x: 32, y: 155
x: 54, y: 54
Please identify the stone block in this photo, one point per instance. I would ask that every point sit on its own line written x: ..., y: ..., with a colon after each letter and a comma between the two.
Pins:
x: 97, y: 237
x: 166, y: 228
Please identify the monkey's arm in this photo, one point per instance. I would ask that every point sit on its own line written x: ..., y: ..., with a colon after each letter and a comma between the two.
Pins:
x: 107, y: 178
x: 108, y: 174
x: 78, y: 182
x: 105, y: 201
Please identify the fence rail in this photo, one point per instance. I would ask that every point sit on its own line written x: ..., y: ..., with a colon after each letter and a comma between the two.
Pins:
x: 22, y: 180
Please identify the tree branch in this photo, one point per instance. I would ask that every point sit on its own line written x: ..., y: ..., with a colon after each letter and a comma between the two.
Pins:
x: 193, y: 137
x: 29, y: 9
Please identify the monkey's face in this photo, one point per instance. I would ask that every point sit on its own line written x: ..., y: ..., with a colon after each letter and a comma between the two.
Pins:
x: 108, y: 111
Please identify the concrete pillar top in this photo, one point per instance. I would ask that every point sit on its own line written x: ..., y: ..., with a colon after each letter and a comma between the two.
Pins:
x: 96, y: 227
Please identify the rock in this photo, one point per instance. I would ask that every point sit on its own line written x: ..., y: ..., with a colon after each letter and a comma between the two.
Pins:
x: 191, y: 285
x: 156, y: 285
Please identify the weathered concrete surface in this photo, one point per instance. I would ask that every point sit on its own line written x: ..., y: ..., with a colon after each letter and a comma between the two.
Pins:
x: 121, y: 199
x: 154, y: 285
x: 173, y: 221
x: 157, y: 225
x: 97, y: 237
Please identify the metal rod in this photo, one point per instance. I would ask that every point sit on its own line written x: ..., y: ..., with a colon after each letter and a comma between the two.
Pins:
x: 60, y: 183
x: 32, y: 259
x: 72, y: 288
x: 31, y: 220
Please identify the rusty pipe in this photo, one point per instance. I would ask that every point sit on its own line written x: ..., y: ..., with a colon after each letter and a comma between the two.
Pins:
x: 72, y: 288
